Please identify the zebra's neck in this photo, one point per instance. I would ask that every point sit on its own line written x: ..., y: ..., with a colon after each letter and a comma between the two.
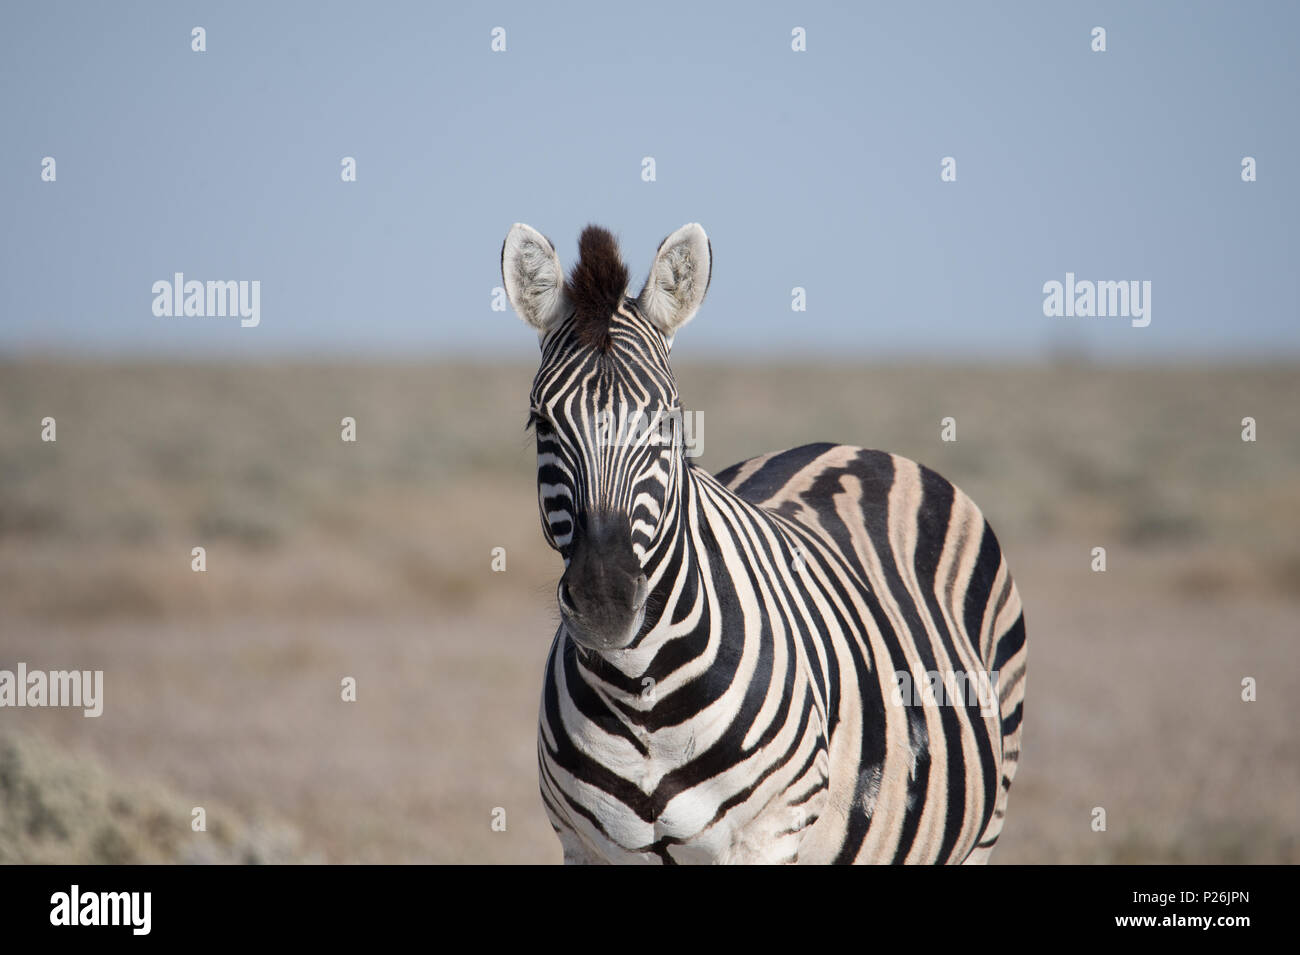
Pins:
x: 683, y: 621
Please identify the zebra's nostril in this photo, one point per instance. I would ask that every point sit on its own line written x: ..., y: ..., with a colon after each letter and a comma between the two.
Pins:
x: 566, y: 603
x: 641, y: 592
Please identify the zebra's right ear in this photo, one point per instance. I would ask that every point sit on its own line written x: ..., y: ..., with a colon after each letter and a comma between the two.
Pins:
x: 533, y: 276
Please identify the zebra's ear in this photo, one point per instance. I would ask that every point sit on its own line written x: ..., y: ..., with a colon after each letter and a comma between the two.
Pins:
x: 533, y: 276
x: 678, y: 279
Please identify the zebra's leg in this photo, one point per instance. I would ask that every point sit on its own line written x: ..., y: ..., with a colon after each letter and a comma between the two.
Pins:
x: 577, y: 851
x: 774, y: 836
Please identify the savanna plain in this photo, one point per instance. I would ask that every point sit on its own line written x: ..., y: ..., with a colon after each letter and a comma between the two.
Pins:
x: 373, y: 560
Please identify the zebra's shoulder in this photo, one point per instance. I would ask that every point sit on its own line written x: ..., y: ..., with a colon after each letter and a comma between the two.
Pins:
x: 798, y: 480
x: 758, y: 479
x: 779, y: 474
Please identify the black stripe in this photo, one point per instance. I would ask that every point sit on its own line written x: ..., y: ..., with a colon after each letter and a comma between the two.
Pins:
x: 1010, y: 643
x: 1012, y: 722
x: 776, y: 472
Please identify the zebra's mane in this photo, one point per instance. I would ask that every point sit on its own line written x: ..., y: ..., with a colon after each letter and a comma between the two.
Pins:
x: 596, y: 286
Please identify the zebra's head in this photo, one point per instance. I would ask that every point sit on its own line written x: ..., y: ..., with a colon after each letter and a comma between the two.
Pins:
x: 606, y: 415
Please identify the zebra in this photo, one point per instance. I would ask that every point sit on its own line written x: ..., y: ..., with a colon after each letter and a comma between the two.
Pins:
x: 750, y: 667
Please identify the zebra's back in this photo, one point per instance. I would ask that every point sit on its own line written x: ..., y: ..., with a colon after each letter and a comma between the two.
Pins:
x: 926, y: 591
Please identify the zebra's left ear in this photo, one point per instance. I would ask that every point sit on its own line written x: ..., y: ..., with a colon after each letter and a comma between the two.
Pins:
x: 678, y: 279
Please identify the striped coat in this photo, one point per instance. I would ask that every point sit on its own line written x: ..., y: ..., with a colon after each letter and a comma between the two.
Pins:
x: 806, y: 580
x: 816, y: 656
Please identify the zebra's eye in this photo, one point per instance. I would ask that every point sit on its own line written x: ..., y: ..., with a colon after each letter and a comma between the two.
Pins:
x: 540, y: 426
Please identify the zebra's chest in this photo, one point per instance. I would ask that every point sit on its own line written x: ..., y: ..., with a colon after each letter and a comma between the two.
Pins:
x: 687, y: 799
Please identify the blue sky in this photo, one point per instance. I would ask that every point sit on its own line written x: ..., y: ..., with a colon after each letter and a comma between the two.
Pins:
x: 817, y: 169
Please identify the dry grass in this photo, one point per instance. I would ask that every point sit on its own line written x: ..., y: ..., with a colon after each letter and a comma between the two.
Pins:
x: 59, y: 810
x: 372, y: 560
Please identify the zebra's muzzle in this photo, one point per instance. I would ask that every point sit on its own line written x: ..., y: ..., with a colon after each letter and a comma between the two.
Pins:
x: 602, y: 595
x: 604, y: 626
